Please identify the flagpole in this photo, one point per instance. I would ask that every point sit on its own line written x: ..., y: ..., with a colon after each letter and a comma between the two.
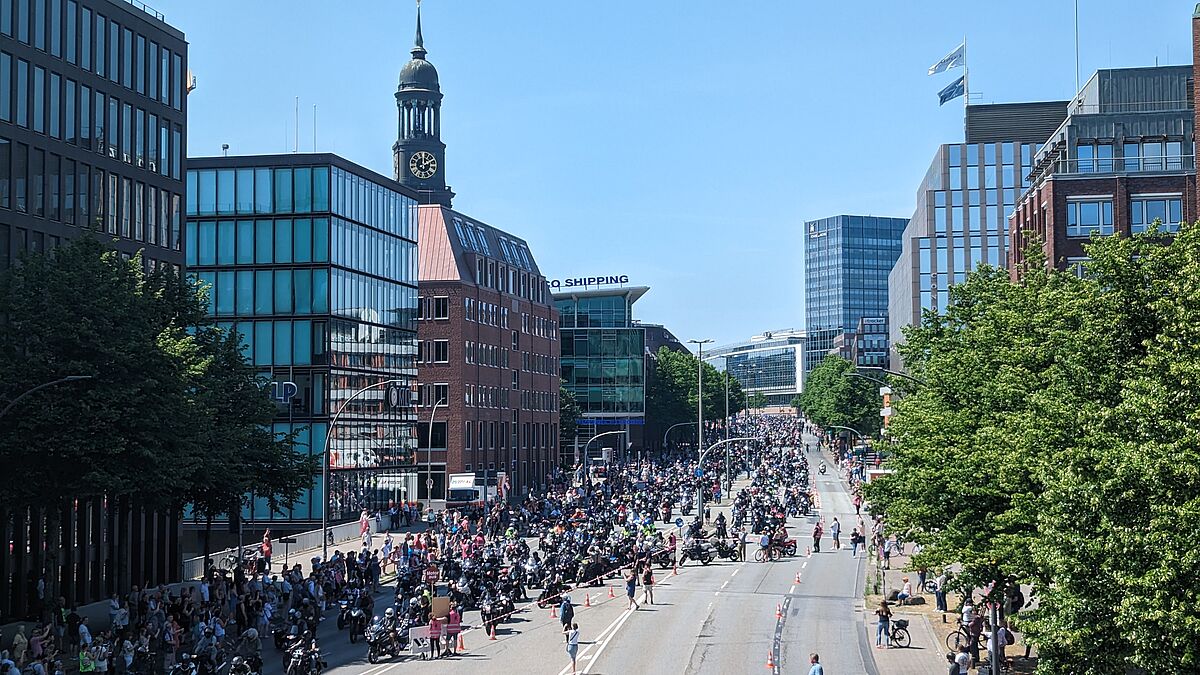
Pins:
x: 966, y: 87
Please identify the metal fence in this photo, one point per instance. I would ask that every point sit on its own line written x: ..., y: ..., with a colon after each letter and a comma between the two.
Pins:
x: 193, y: 568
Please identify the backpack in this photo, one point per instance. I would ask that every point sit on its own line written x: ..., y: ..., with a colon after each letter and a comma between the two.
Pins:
x: 1009, y: 638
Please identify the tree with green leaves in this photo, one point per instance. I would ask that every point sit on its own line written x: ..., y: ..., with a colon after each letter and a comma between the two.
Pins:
x: 171, y: 414
x: 569, y: 413
x: 671, y: 391
x: 831, y: 397
x: 1053, y: 443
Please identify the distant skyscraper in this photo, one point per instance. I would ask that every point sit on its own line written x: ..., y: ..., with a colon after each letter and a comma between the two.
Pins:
x: 961, y: 219
x: 846, y: 264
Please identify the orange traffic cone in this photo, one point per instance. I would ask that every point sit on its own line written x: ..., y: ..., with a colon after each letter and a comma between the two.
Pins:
x: 462, y: 646
x: 797, y: 577
x: 771, y: 660
x: 493, y: 635
x: 553, y: 611
x: 808, y: 551
x: 587, y: 599
x: 610, y: 592
x: 778, y: 611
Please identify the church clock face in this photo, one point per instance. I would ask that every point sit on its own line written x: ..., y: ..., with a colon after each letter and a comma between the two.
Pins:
x: 423, y: 165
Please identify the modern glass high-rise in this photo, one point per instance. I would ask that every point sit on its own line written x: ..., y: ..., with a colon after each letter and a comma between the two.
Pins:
x: 604, y: 365
x: 846, y: 265
x: 312, y: 259
x: 93, y: 110
x: 963, y: 203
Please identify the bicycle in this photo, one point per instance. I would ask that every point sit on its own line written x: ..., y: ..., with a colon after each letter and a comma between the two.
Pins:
x: 961, y: 636
x: 772, y: 553
x: 899, y: 633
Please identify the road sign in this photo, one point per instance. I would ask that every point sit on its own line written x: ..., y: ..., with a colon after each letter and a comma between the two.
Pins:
x: 286, y: 540
x: 431, y: 573
x: 699, y: 473
x: 679, y: 522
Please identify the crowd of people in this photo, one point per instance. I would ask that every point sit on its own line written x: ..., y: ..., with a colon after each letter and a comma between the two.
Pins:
x: 585, y: 527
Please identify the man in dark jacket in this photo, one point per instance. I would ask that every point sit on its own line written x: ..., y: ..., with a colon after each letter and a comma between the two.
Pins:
x: 566, y: 613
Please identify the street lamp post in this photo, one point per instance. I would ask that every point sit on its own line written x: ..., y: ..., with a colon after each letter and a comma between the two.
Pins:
x: 700, y: 464
x: 700, y: 392
x: 61, y: 380
x: 325, y: 462
x: 589, y: 442
x: 668, y: 431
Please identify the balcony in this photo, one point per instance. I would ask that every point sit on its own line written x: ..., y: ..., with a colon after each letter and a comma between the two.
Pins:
x: 1121, y: 166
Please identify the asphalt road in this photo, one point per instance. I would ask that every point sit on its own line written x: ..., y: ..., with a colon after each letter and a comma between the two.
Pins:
x: 719, y: 618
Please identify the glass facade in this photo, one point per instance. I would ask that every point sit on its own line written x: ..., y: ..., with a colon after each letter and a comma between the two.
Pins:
x: 90, y: 135
x: 603, y: 362
x: 313, y: 263
x: 770, y: 364
x: 847, y: 260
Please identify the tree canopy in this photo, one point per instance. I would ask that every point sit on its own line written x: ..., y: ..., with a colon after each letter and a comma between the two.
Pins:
x: 832, y: 397
x: 671, y: 391
x: 1055, y: 443
x: 172, y: 413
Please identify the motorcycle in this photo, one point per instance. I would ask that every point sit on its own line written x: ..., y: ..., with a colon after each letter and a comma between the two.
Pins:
x: 185, y: 666
x: 728, y: 550
x: 357, y: 623
x: 700, y: 551
x: 551, y: 594
x: 245, y: 666
x: 304, y: 662
x: 379, y: 642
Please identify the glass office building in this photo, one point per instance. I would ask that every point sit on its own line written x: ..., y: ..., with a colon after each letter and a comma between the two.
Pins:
x: 771, y: 364
x: 846, y: 264
x: 603, y: 364
x: 312, y: 260
x: 93, y: 109
x: 963, y: 203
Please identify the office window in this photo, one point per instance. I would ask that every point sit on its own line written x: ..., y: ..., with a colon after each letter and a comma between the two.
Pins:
x: 441, y: 351
x: 126, y: 132
x: 244, y: 202
x: 39, y: 99
x: 283, y: 190
x: 264, y: 243
x: 164, y: 77
x: 176, y: 81
x: 1086, y: 218
x: 441, y: 307
x: 37, y: 182
x: 245, y: 242
x: 114, y: 51
x: 152, y: 76
x: 69, y: 111
x: 85, y: 39
x: 283, y: 241
x: 264, y: 291
x: 39, y: 24
x: 302, y: 194
x: 1144, y: 210
x: 139, y: 138
x: 139, y: 64
x: 224, y: 198
x: 22, y: 92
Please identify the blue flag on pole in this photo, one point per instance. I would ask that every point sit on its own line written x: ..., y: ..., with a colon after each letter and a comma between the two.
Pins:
x: 954, y: 59
x: 953, y: 90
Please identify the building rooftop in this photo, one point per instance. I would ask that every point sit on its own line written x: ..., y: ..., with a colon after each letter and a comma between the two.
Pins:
x: 633, y: 293
x: 447, y: 236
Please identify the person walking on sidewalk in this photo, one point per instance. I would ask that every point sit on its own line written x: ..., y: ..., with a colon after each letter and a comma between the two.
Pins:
x: 835, y: 531
x: 939, y: 590
x: 566, y: 612
x: 883, y: 626
x: 815, y: 659
x: 266, y: 550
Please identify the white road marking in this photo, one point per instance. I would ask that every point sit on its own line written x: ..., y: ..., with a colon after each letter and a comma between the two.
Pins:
x: 611, y: 627
x: 735, y: 572
x: 792, y: 589
x: 603, y: 645
x: 725, y: 584
x: 804, y: 564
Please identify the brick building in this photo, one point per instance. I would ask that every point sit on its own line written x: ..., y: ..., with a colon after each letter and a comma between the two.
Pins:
x: 1123, y: 159
x: 487, y: 330
x: 488, y: 351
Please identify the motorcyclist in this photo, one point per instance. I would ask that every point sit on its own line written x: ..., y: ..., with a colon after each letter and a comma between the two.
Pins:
x: 206, y: 652
x: 721, y: 526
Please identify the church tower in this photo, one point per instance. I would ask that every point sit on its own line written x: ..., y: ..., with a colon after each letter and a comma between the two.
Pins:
x: 419, y: 153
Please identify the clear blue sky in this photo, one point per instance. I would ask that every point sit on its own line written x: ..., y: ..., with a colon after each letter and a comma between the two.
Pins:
x: 681, y: 143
